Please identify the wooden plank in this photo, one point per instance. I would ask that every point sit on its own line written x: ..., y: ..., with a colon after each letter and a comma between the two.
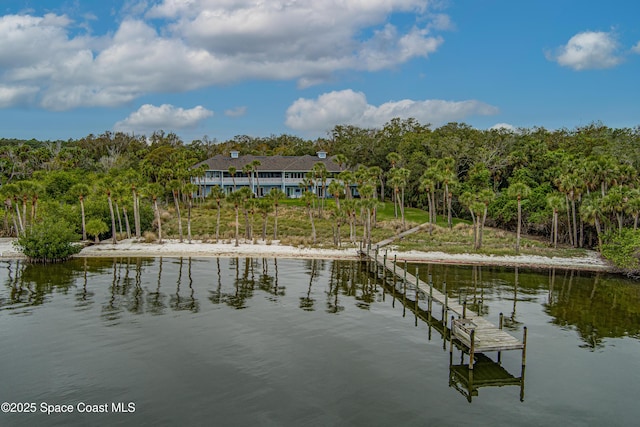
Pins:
x: 487, y: 337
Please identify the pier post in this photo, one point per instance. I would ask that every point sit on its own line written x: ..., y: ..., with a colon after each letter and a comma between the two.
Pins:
x: 395, y: 260
x: 472, y: 348
x: 445, y: 307
x: 524, y: 347
x: 376, y: 268
x: 464, y: 310
x: 405, y: 270
x: 501, y: 321
x: 451, y: 342
x: 417, y: 286
x: 404, y: 288
x: 384, y: 267
x: 430, y: 295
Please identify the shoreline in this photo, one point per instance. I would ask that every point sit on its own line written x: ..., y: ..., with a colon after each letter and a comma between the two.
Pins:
x: 172, y: 248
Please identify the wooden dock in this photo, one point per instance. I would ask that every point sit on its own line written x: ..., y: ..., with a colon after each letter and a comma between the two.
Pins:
x: 467, y: 328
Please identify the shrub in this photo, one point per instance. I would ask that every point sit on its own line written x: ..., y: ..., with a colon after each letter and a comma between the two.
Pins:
x: 96, y: 227
x: 623, y: 250
x: 149, y: 237
x: 50, y: 240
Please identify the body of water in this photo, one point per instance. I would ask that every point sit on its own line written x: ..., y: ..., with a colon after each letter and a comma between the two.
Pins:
x: 240, y: 341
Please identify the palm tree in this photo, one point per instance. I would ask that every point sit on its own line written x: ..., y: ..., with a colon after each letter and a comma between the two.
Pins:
x: 341, y: 160
x: 367, y: 203
x: 633, y: 206
x: 248, y: 170
x: 556, y: 202
x: 235, y: 199
x: 136, y: 209
x: 25, y: 187
x: 35, y: 191
x: 247, y: 206
x: 232, y: 172
x: 264, y: 208
x: 403, y: 175
x: 156, y: 190
x: 349, y: 206
x: 614, y: 202
x: 321, y: 174
x: 347, y: 179
x: 107, y: 186
x: 446, y: 175
x: 217, y: 194
x: 11, y: 192
x: 590, y: 212
x: 336, y: 189
x: 394, y: 159
x: 189, y: 189
x: 485, y: 197
x: 275, y: 195
x: 175, y: 186
x: 571, y: 185
x: 254, y: 167
x: 81, y: 190
x: 118, y: 194
x: 428, y: 185
x: 308, y: 198
x: 519, y: 191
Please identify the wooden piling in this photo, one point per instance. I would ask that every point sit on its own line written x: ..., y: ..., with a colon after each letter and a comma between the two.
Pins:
x: 395, y: 260
x: 384, y: 269
x: 472, y: 348
x: 445, y: 306
x: 464, y: 310
x: 451, y: 341
x: 501, y: 321
x: 524, y: 346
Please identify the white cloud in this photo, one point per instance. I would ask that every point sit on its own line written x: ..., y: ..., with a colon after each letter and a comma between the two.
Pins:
x: 199, y: 43
x: 236, y: 112
x: 349, y: 107
x: 504, y: 126
x: 16, y: 95
x: 151, y: 117
x: 589, y: 50
x: 636, y: 48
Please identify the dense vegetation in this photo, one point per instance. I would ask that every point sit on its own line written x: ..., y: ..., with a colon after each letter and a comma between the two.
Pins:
x: 579, y: 188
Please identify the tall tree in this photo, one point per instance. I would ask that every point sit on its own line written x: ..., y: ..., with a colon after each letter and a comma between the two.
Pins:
x: 216, y: 193
x: 156, y: 190
x: 556, y: 202
x: 236, y: 198
x: 232, y: 172
x: 308, y: 198
x: 254, y: 170
x: 80, y: 191
x: 519, y: 191
x: 275, y: 195
x: 175, y: 185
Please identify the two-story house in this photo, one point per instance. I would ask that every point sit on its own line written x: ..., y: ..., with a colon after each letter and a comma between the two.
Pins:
x: 286, y: 173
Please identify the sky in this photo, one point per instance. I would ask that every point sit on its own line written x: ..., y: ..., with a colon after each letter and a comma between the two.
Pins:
x: 221, y: 68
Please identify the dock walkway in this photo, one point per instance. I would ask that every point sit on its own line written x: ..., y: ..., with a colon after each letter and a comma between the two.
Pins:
x: 467, y: 327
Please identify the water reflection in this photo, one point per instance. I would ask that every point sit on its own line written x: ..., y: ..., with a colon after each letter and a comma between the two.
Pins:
x: 597, y: 306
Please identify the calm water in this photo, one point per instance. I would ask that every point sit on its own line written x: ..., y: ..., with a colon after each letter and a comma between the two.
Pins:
x: 306, y: 342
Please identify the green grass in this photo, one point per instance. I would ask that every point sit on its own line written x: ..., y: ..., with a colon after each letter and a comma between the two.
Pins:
x: 294, y: 228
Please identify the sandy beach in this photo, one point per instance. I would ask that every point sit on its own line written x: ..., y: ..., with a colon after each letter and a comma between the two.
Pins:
x: 173, y: 248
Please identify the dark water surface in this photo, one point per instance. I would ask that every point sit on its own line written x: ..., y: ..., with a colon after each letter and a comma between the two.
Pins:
x: 306, y: 342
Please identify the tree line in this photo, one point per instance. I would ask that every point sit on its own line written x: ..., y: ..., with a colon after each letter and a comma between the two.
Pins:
x: 578, y: 187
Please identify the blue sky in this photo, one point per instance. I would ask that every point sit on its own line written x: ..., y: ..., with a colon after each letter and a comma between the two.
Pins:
x: 222, y: 68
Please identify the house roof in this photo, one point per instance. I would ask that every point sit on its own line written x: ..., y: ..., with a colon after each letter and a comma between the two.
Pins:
x: 270, y: 163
